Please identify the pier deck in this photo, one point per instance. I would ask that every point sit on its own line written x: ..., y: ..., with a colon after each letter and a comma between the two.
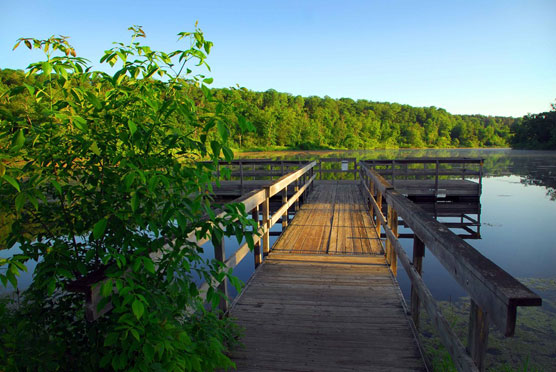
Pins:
x: 325, y: 299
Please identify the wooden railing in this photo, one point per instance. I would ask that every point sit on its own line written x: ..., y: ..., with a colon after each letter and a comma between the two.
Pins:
x: 256, y: 203
x: 428, y: 168
x: 494, y: 293
x: 344, y: 166
x: 259, y: 169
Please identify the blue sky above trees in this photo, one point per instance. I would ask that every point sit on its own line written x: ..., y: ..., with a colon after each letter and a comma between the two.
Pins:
x: 487, y: 57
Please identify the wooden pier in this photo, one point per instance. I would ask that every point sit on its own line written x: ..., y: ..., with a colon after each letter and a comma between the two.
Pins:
x: 325, y: 299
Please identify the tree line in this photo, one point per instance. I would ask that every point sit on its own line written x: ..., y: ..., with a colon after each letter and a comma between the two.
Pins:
x: 285, y: 120
x: 282, y: 120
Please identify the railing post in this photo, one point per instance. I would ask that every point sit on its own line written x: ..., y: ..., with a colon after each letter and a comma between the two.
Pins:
x: 436, y: 179
x: 254, y: 171
x: 257, y: 245
x: 418, y: 254
x: 266, y: 222
x: 320, y: 169
x: 481, y: 177
x: 285, y: 215
x: 220, y: 255
x: 393, y: 224
x: 295, y: 190
x: 379, y: 204
x: 371, y: 209
x: 282, y: 167
x: 241, y: 176
x: 355, y: 169
x: 478, y: 335
x: 393, y: 172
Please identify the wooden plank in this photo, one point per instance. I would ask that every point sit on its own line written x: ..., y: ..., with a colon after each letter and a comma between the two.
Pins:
x: 328, y: 258
x: 478, y: 335
x: 328, y: 314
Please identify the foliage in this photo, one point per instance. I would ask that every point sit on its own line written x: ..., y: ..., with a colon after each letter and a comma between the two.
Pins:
x: 107, y: 166
x: 284, y: 120
x: 537, y: 131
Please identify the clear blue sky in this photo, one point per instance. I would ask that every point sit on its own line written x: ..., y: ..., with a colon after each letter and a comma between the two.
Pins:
x: 487, y: 57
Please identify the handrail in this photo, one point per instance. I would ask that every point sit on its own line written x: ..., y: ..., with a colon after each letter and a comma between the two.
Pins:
x: 251, y: 202
x: 494, y: 293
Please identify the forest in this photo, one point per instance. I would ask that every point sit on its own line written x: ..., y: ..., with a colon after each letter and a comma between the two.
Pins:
x: 537, y: 131
x: 282, y: 120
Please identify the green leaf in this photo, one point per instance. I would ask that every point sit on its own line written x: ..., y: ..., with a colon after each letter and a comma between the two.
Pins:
x: 47, y: 68
x: 19, y: 201
x: 110, y: 339
x: 98, y: 229
x: 149, y: 265
x: 148, y: 351
x: 80, y: 123
x: 249, y: 240
x: 106, y: 288
x: 11, y: 181
x: 222, y: 130
x: 134, y: 333
x: 134, y: 201
x: 2, y: 169
x: 19, y: 140
x: 228, y: 154
x: 94, y: 148
x: 208, y: 80
x: 138, y: 308
x: 128, y: 180
x: 215, y: 146
x: 132, y: 127
x: 56, y: 186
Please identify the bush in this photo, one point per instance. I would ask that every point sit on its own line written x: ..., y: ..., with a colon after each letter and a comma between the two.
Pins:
x: 103, y: 168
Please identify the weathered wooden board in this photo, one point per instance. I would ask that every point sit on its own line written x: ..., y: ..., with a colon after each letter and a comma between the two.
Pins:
x: 334, y: 220
x: 333, y: 313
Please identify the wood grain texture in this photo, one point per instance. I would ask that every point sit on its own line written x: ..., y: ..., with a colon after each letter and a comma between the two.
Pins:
x: 324, y: 313
x: 334, y: 220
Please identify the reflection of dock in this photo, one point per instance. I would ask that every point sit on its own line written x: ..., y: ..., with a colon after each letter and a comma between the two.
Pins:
x: 464, y: 218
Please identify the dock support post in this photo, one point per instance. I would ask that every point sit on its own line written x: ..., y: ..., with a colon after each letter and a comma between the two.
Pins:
x: 418, y: 254
x: 285, y: 215
x: 320, y: 170
x: 478, y: 335
x: 220, y: 255
x: 266, y: 222
x: 257, y: 245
